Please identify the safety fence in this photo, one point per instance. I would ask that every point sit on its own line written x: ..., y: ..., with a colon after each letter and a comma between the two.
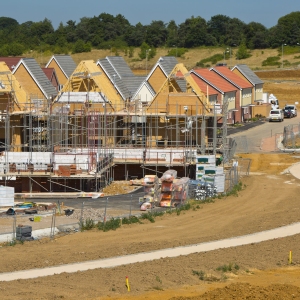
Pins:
x: 65, y: 215
x: 291, y: 136
x: 68, y: 215
x: 240, y: 168
x: 241, y: 144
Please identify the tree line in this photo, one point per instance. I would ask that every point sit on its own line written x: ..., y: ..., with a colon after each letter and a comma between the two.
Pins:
x: 115, y: 32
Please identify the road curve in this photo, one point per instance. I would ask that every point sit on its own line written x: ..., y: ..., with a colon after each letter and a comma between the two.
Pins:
x: 257, y: 237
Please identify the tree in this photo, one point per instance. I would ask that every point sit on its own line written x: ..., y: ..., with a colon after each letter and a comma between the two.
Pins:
x: 256, y: 35
x: 42, y: 29
x: 156, y: 34
x: 235, y: 32
x: 148, y: 51
x: 135, y: 35
x: 80, y: 46
x: 287, y: 25
x: 172, y: 38
x: 70, y: 30
x: 15, y: 49
x: 217, y: 27
x: 8, y: 23
x: 195, y: 32
x: 242, y: 51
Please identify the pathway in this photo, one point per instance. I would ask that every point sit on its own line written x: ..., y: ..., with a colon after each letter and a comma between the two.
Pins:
x: 158, y: 254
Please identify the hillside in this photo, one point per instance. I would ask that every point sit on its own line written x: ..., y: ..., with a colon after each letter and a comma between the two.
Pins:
x: 190, y: 58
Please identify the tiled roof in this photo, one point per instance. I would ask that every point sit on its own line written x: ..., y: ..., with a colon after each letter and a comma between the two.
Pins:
x: 180, y: 80
x: 205, y: 88
x: 167, y: 63
x: 38, y: 76
x: 114, y: 78
x: 121, y: 75
x: 215, y: 80
x: 65, y: 62
x: 232, y: 77
x: 249, y: 74
x: 48, y: 72
x: 11, y: 61
x: 133, y: 83
x: 120, y: 66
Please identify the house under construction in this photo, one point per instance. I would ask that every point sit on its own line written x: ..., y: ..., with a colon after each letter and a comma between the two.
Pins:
x: 87, y: 135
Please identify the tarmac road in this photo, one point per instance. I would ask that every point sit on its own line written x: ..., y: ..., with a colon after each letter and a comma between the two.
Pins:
x: 259, y: 131
x: 113, y: 202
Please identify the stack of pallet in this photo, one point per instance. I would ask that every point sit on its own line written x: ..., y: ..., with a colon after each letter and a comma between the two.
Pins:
x: 208, y: 171
x: 167, y: 187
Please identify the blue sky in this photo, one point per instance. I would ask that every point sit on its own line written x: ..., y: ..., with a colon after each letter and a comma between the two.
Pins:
x: 266, y: 12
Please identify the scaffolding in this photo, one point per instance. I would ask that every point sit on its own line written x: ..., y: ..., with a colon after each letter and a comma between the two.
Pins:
x: 79, y: 143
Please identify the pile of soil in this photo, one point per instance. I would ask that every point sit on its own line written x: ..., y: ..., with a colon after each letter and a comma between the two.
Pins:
x: 118, y: 187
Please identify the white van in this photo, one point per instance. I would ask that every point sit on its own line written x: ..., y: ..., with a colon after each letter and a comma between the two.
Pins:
x: 276, y: 115
x: 292, y: 108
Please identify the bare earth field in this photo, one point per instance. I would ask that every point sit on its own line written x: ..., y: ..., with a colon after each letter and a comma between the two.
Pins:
x: 269, y: 199
x: 266, y: 201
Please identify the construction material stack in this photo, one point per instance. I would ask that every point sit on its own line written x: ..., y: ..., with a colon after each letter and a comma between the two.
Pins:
x: 167, y: 188
x: 151, y: 192
x: 201, y: 190
x: 179, y: 191
x: 208, y: 171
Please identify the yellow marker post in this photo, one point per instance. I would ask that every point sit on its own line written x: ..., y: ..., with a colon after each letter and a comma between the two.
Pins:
x: 127, y: 284
x: 290, y: 258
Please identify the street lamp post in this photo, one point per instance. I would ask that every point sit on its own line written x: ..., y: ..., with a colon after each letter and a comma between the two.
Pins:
x: 282, y: 55
x: 147, y: 61
x: 230, y: 53
x: 176, y: 49
x: 226, y: 51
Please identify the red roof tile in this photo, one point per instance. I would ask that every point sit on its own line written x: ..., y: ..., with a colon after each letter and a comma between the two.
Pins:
x: 224, y: 71
x: 205, y: 88
x: 11, y: 61
x: 49, y: 72
x: 215, y: 80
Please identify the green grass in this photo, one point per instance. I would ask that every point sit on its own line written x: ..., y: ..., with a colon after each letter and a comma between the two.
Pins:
x: 203, y: 276
x: 228, y: 268
x: 271, y: 61
x: 237, y: 188
x: 212, y: 60
x: 111, y: 224
x: 86, y: 224
x: 130, y: 220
